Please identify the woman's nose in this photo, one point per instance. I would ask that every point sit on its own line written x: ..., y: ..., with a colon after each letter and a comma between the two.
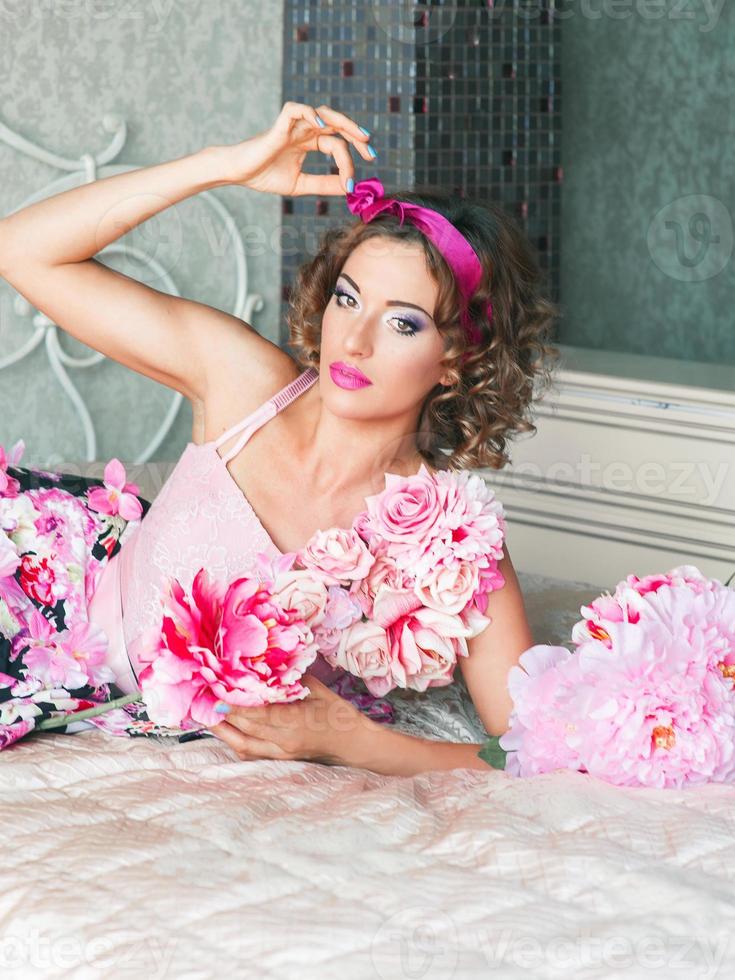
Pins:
x: 358, y: 339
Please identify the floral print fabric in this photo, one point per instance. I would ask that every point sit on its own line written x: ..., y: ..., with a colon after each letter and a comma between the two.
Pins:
x: 52, y: 659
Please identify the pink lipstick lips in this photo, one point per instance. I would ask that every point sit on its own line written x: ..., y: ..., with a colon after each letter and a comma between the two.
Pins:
x: 346, y: 377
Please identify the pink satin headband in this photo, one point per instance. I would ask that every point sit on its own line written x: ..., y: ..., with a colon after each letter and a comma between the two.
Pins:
x: 367, y: 200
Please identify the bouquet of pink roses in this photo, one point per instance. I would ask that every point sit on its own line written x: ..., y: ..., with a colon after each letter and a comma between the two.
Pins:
x: 648, y: 696
x: 391, y: 600
x: 408, y: 583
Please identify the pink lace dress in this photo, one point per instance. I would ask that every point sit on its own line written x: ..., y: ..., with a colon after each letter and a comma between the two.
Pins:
x: 200, y: 518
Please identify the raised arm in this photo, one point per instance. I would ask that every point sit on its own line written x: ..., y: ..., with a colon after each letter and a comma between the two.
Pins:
x: 46, y: 254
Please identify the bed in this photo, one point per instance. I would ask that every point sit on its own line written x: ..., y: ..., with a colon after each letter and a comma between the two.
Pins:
x: 154, y: 858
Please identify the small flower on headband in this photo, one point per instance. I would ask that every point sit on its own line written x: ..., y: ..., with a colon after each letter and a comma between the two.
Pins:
x: 365, y: 193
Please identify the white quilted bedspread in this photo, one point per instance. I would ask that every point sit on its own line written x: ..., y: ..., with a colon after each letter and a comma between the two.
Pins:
x: 148, y: 858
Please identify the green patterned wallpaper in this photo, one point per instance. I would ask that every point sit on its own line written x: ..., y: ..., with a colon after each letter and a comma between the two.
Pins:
x: 648, y: 144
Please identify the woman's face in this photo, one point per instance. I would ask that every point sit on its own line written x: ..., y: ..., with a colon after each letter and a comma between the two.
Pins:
x: 380, y: 319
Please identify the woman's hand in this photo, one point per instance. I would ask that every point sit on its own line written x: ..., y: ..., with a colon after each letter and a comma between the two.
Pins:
x: 322, y: 727
x: 272, y: 161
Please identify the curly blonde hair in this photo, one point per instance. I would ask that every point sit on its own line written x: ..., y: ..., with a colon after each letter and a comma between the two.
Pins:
x: 467, y: 423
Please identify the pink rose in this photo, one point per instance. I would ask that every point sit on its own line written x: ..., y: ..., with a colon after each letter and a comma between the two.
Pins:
x: 409, y: 511
x: 303, y: 592
x: 384, y: 573
x: 449, y: 588
x: 364, y: 650
x: 338, y: 555
x: 364, y: 194
x: 427, y: 644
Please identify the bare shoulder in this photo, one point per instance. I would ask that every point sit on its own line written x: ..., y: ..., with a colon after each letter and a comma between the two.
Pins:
x: 244, y: 370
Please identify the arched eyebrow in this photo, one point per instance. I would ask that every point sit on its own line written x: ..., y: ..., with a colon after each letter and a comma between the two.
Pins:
x: 391, y: 302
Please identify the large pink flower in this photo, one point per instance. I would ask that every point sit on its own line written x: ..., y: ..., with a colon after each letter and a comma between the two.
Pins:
x: 647, y: 710
x: 221, y: 642
x: 473, y: 515
x: 634, y: 599
x: 541, y: 735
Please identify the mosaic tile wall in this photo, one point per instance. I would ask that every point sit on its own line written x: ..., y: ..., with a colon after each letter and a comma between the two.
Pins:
x: 464, y: 96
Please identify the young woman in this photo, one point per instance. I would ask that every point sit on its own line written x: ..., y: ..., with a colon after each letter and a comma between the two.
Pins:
x: 447, y: 337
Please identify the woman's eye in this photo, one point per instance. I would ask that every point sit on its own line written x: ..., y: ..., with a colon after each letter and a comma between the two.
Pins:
x: 340, y: 295
x: 409, y: 329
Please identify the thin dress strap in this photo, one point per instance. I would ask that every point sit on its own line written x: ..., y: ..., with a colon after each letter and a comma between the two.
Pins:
x: 251, y: 423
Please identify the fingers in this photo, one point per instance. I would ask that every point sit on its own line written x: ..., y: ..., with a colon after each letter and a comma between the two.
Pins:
x: 246, y: 747
x: 349, y: 129
x: 332, y: 139
x: 291, y: 111
x: 337, y: 147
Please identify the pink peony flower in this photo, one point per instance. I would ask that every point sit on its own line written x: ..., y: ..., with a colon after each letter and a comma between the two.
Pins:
x: 540, y: 737
x: 233, y: 642
x: 649, y: 703
x: 632, y: 599
x: 117, y: 496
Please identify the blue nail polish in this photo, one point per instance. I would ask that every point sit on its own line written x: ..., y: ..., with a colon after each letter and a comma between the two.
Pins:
x: 222, y: 708
x: 365, y: 131
x: 320, y: 121
x: 350, y: 185
x: 372, y: 152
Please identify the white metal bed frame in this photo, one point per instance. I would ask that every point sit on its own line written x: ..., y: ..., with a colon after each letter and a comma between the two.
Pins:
x: 87, y: 168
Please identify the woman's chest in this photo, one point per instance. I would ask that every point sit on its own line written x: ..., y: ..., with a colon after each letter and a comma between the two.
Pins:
x: 286, y: 506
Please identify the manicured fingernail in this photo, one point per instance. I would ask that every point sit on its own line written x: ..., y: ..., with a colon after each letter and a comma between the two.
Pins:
x: 320, y: 121
x: 372, y: 152
x: 365, y: 131
x: 222, y: 708
x: 350, y: 185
